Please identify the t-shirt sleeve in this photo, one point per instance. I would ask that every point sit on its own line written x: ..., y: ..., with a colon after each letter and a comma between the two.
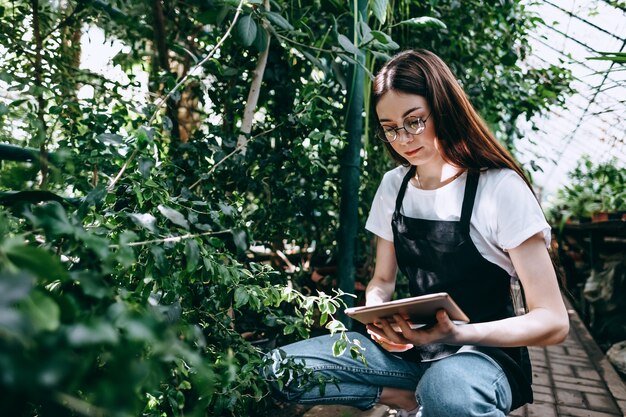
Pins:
x: 381, y: 212
x: 518, y: 214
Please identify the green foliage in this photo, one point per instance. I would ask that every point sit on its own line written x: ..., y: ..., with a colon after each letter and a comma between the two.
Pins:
x: 593, y: 188
x: 617, y: 57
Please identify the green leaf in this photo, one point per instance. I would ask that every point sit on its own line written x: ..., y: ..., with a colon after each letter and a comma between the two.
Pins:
x: 366, y: 33
x: 246, y: 29
x: 208, y: 17
x: 313, y: 60
x: 278, y: 20
x: 192, y: 254
x: 145, y: 136
x: 52, y: 218
x: 159, y: 258
x: 381, y: 55
x: 174, y: 216
x: 241, y: 240
x: 381, y: 37
x: 99, y: 245
x: 260, y: 42
x: 14, y: 287
x: 323, y: 318
x: 145, y: 220
x: 347, y: 45
x: 42, y: 311
x: 110, y: 139
x: 322, y: 385
x: 145, y: 167
x: 241, y: 297
x: 94, y: 198
x: 335, y: 326
x: 424, y: 21
x: 619, y: 57
x: 92, y: 285
x: 96, y: 333
x: 339, y: 347
x: 138, y: 330
x: 384, y: 40
x: 35, y: 260
x: 379, y: 8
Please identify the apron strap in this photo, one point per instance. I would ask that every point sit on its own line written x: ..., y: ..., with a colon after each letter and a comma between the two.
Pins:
x: 402, y: 190
x: 468, y: 198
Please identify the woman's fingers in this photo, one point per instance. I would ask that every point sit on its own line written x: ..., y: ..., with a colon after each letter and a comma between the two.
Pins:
x: 441, y: 332
x: 391, y: 334
x: 444, y: 321
x: 383, y: 332
x: 380, y: 337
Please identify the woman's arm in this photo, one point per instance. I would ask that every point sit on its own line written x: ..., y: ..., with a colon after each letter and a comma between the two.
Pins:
x: 383, y: 283
x: 381, y: 288
x: 545, y: 323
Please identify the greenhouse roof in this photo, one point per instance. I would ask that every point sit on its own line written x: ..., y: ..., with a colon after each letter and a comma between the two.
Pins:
x: 594, y: 119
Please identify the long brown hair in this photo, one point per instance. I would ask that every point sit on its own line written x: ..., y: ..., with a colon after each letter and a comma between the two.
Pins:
x: 464, y: 138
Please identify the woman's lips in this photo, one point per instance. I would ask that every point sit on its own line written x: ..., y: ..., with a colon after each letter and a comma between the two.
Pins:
x: 413, y: 152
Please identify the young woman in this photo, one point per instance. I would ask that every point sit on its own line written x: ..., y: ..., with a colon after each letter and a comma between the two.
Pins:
x: 457, y: 216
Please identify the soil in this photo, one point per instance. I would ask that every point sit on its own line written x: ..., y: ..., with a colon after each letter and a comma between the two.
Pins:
x: 290, y: 410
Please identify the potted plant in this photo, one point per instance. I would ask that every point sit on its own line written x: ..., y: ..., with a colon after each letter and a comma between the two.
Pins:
x: 596, y: 193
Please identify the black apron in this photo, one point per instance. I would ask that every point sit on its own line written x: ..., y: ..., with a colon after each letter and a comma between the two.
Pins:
x: 439, y: 256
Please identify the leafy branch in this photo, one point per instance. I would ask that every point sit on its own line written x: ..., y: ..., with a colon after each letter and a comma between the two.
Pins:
x: 172, y: 239
x: 164, y: 99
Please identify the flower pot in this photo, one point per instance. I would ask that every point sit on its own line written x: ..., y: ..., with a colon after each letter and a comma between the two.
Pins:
x: 601, y: 216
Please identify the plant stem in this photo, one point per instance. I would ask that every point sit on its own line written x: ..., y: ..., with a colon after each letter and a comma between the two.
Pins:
x: 172, y: 238
x: 253, y: 94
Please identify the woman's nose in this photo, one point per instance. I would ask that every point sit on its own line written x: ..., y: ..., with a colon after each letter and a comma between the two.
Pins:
x: 404, y: 136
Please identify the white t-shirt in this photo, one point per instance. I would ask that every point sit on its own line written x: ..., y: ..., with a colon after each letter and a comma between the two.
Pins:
x: 505, y: 213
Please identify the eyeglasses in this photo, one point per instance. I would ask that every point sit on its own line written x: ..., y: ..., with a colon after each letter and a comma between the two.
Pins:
x: 413, y: 125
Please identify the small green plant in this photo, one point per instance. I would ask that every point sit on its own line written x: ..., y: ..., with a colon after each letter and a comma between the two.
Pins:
x: 593, y: 188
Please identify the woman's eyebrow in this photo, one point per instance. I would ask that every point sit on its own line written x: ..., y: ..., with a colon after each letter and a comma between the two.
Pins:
x: 405, y: 114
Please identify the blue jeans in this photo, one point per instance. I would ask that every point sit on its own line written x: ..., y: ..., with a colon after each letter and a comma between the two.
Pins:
x: 464, y: 384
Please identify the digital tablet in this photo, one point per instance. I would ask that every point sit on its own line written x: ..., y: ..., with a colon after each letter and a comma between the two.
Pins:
x: 420, y: 311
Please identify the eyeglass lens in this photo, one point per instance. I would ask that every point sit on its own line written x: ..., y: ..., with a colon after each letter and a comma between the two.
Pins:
x: 413, y: 126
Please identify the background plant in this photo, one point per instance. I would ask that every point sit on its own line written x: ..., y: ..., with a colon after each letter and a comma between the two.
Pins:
x: 593, y: 188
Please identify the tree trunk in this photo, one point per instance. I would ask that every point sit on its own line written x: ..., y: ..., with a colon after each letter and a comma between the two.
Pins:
x: 41, y: 101
x: 253, y: 94
x: 160, y: 40
x: 350, y: 170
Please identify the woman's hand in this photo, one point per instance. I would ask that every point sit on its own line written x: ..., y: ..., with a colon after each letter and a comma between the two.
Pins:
x: 444, y: 331
x: 386, y: 343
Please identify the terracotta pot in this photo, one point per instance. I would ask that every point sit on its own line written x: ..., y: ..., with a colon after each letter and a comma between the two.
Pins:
x: 602, y: 216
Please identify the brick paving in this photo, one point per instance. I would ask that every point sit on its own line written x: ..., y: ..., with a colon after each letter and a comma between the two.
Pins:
x: 573, y: 379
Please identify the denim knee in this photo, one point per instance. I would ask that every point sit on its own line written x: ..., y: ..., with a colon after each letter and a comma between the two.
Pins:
x: 464, y: 385
x: 437, y: 400
x: 308, y: 372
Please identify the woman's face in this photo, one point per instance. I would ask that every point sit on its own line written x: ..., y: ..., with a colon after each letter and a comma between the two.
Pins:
x: 392, y: 109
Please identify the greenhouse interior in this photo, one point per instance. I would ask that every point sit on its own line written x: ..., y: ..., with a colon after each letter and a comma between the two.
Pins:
x: 197, y: 198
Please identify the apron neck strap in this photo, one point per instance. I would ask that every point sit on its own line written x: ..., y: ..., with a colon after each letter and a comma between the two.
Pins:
x: 405, y: 181
x: 471, y: 186
x: 468, y: 198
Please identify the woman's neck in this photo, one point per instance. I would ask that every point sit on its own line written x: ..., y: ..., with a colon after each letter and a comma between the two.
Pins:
x: 433, y: 177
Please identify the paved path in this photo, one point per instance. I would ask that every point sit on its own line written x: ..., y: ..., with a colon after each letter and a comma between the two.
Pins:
x: 573, y: 379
